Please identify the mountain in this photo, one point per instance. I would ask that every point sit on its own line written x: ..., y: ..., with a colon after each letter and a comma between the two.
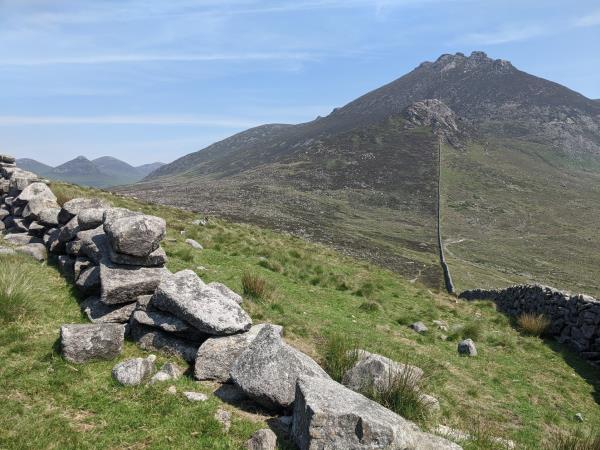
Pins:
x: 33, y: 166
x: 520, y: 165
x: 105, y: 171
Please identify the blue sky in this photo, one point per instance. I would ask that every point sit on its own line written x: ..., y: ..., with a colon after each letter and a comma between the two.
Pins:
x: 147, y: 80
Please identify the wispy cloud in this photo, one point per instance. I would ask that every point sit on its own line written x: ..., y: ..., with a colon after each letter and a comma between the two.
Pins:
x: 167, y: 120
x: 589, y: 20
x: 149, y: 58
x: 504, y: 35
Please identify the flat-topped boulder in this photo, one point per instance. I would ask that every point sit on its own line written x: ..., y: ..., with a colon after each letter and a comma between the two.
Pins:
x: 327, y: 415
x: 71, y: 208
x: 167, y: 322
x: 155, y: 259
x: 84, y: 342
x: 268, y: 369
x: 136, y: 235
x: 123, y: 284
x: 186, y: 296
x: 217, y: 355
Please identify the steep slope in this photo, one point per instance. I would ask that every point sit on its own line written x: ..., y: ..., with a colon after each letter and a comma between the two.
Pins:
x: 34, y: 166
x: 362, y: 178
x: 147, y: 169
x: 118, y: 171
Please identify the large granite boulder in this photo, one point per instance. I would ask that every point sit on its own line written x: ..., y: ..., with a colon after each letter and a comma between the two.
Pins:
x: 92, y: 243
x: 71, y: 208
x: 35, y: 207
x: 99, y: 312
x: 123, y: 284
x: 136, y: 235
x: 132, y: 372
x: 328, y: 415
x: 217, y: 355
x: 35, y: 191
x: 226, y: 292
x: 186, y: 296
x: 49, y: 216
x: 378, y: 372
x: 83, y: 342
x: 89, y: 218
x: 268, y: 369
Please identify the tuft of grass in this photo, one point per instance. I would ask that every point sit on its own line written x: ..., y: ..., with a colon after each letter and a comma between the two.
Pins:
x: 369, y: 307
x: 340, y: 355
x: 15, y: 290
x: 471, y: 330
x: 254, y: 286
x: 533, y: 324
x: 184, y: 253
x: 576, y: 441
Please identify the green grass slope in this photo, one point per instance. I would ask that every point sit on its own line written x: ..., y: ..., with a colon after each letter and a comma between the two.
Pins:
x: 519, y: 387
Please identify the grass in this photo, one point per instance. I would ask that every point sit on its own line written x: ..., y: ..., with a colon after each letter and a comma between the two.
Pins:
x: 15, y: 290
x: 519, y: 383
x: 533, y: 324
x: 254, y: 286
x: 340, y: 355
x: 577, y: 441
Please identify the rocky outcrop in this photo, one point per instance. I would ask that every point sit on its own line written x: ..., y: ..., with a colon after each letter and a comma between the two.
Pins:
x: 574, y: 318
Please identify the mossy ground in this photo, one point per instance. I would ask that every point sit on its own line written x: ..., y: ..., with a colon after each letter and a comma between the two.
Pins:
x: 518, y: 387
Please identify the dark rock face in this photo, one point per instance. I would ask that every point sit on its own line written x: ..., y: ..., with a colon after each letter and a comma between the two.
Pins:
x: 88, y: 282
x: 574, y: 318
x: 84, y: 342
x: 186, y: 296
x: 267, y: 371
x: 329, y: 416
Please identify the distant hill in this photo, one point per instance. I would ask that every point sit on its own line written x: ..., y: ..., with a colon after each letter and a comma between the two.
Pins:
x: 105, y: 171
x: 520, y: 167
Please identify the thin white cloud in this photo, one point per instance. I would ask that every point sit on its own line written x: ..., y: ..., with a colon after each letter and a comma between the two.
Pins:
x: 166, y: 120
x: 504, y: 35
x: 149, y: 58
x: 589, y: 20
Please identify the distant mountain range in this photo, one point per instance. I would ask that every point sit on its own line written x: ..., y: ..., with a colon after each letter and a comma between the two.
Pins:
x: 105, y: 171
x: 520, y: 167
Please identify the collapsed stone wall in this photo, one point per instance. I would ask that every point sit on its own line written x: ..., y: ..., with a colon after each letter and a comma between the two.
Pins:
x: 574, y: 318
x: 114, y: 258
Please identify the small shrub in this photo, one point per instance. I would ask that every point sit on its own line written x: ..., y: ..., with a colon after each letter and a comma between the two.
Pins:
x: 472, y: 330
x: 404, y: 320
x: 577, y: 441
x: 369, y: 307
x: 340, y: 355
x: 15, y: 290
x: 365, y: 290
x: 533, y: 324
x: 254, y: 286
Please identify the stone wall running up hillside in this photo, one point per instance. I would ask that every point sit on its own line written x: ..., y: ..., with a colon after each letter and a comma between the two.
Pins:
x: 113, y: 256
x: 574, y: 318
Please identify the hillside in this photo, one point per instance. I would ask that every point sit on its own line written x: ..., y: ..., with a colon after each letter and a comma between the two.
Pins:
x: 101, y: 172
x: 363, y: 178
x: 523, y: 388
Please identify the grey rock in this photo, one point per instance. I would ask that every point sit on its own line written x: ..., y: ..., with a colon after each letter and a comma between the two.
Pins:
x: 194, y: 244
x: 83, y: 342
x: 90, y: 218
x: 15, y: 225
x: 36, y: 206
x: 4, y: 213
x: 123, y: 284
x: 37, y: 229
x: 66, y: 266
x: 430, y: 402
x: 132, y: 372
x: 49, y: 216
x: 167, y: 322
x: 217, y: 355
x: 195, y: 396
x: 21, y: 239
x: 2, y: 226
x: 137, y: 235
x: 327, y: 415
x: 8, y: 159
x: 268, y: 369
x: 167, y: 372
x: 224, y: 417
x: 80, y: 265
x: 226, y: 292
x: 155, y: 259
x: 419, y: 327
x: 230, y: 393
x: 579, y: 417
x: 53, y: 244
x: 376, y: 371
x: 71, y: 208
x: 92, y: 244
x: 113, y: 214
x: 263, y: 439
x: 467, y: 348
x: 69, y: 230
x: 88, y: 282
x: 99, y: 312
x: 35, y: 191
x: 7, y: 251
x: 186, y: 296
x: 150, y: 338
x: 36, y: 251
x: 73, y: 247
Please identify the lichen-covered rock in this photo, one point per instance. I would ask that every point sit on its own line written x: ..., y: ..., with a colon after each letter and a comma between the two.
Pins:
x: 99, y: 312
x: 92, y: 243
x: 136, y: 235
x: 49, y: 216
x: 268, y: 369
x: 88, y: 282
x: 376, y: 371
x: 53, y: 244
x: 167, y: 372
x: 194, y: 244
x: 155, y: 259
x: 132, y: 372
x: 34, y: 208
x: 123, y: 284
x: 150, y: 339
x: 186, y: 296
x: 263, y: 439
x: 36, y: 251
x: 37, y: 229
x: 68, y: 231
x: 35, y: 191
x: 83, y: 342
x: 81, y: 264
x: 21, y: 239
x: 328, y: 415
x: 467, y: 348
x: 226, y: 292
x: 217, y: 355
x: 89, y: 218
x: 167, y: 322
x: 71, y: 208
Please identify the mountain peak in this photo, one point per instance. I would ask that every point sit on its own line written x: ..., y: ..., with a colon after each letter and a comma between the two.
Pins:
x: 477, y: 60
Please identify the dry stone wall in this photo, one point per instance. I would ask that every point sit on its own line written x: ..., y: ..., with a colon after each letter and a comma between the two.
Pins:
x: 114, y: 258
x: 574, y: 318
